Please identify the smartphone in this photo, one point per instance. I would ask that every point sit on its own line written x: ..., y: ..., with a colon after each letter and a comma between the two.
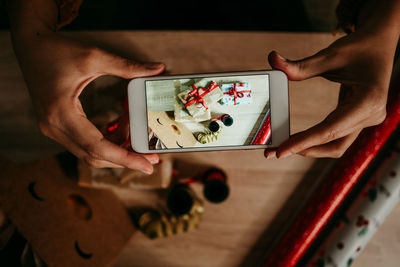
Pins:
x: 202, y: 112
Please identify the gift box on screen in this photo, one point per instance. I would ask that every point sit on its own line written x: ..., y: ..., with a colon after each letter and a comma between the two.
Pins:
x: 197, y: 99
x: 213, y: 93
x: 236, y: 94
x: 181, y: 114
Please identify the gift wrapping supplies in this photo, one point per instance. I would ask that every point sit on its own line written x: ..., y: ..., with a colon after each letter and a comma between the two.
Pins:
x: 197, y: 100
x: 236, y: 93
x: 366, y: 214
x: 194, y: 103
x: 263, y: 134
x: 323, y: 203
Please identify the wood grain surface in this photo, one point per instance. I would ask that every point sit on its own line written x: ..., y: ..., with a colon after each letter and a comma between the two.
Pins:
x: 264, y: 193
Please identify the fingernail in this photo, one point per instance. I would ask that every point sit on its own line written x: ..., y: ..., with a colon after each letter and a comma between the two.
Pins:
x: 269, y: 154
x: 284, y: 155
x: 281, y: 57
x: 153, y: 66
x: 148, y: 170
x: 154, y: 160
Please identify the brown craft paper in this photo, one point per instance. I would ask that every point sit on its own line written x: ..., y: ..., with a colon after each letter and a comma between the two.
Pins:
x: 66, y: 224
x: 160, y: 178
x: 173, y: 134
x: 181, y: 114
x: 198, y: 110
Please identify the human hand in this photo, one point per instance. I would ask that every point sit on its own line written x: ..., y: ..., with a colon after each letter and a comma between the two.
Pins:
x: 362, y: 62
x: 57, y: 69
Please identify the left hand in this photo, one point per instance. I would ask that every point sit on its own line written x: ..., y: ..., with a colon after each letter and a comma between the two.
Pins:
x: 56, y: 70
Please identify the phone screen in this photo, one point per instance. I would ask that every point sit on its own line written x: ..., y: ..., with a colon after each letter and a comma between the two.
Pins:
x: 208, y: 112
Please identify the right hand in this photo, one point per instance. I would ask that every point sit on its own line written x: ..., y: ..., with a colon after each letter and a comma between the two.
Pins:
x: 56, y: 70
x: 362, y: 62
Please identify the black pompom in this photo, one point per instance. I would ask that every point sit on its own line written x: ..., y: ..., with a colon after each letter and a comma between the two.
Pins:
x: 216, y: 190
x: 213, y: 126
x: 227, y: 120
x: 180, y: 201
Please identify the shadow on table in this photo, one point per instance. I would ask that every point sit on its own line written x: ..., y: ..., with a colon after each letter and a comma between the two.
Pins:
x: 286, y: 214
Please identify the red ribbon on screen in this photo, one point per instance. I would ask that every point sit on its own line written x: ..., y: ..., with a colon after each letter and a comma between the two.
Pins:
x: 195, y: 97
x: 235, y: 93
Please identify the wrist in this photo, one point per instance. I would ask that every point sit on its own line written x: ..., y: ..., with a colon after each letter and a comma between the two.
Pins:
x: 31, y: 18
x: 380, y: 18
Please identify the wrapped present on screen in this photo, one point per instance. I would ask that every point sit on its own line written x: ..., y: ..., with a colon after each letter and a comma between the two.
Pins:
x: 181, y: 114
x: 197, y: 99
x: 236, y: 94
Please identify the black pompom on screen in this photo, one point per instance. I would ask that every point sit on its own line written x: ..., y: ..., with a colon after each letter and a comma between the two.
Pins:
x: 227, y: 120
x: 213, y: 126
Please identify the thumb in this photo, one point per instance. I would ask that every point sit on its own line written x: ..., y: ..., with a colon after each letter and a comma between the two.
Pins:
x: 128, y: 69
x: 301, y: 69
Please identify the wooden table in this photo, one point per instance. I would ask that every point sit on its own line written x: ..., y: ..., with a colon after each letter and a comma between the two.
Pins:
x: 264, y: 193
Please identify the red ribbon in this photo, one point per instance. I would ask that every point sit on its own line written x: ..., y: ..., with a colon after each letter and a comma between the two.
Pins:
x: 196, y: 97
x: 236, y: 93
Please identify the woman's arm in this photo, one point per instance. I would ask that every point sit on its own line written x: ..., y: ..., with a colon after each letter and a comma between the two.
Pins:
x: 56, y: 70
x: 362, y: 62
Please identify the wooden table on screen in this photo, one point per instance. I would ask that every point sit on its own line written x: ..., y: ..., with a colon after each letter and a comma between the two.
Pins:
x: 264, y: 193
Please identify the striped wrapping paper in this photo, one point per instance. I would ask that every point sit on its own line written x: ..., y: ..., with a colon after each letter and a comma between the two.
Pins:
x: 377, y: 199
x: 335, y: 188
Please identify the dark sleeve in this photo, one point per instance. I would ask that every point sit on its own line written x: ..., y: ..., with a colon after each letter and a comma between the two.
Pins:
x: 347, y: 13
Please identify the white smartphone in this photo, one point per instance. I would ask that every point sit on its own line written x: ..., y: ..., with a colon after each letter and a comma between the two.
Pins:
x: 202, y: 112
